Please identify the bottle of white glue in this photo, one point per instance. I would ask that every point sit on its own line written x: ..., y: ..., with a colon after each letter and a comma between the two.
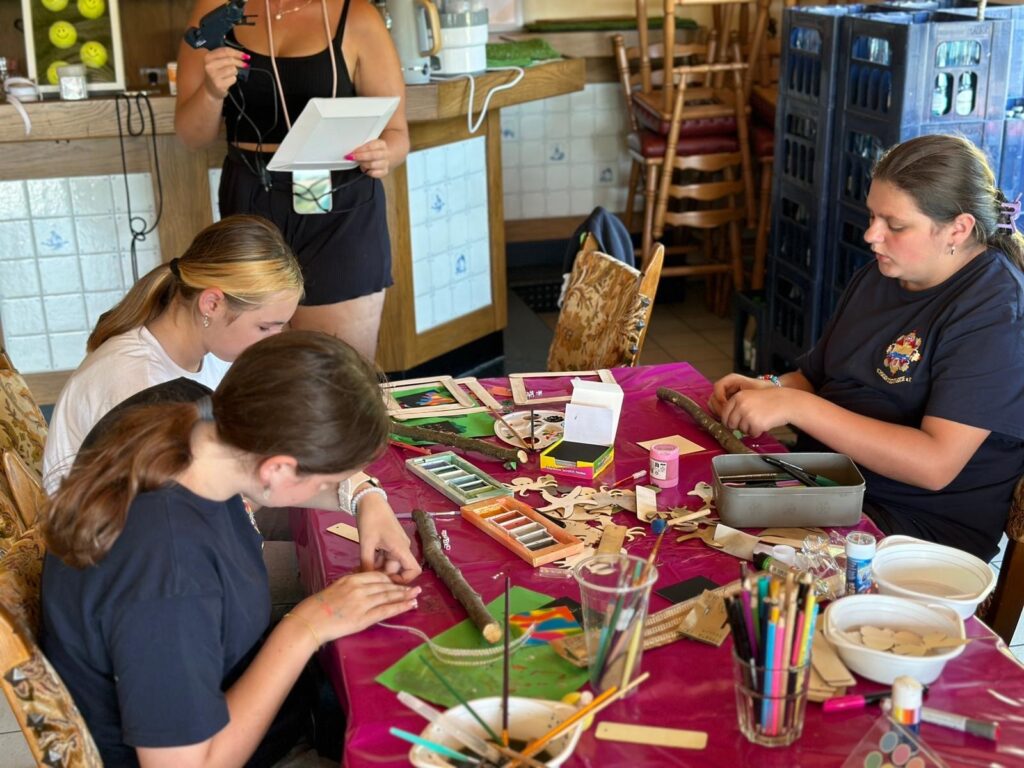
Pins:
x: 860, y: 551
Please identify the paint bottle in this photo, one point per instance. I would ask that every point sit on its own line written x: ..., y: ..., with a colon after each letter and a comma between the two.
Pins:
x: 907, y: 696
x: 860, y: 551
x: 665, y: 465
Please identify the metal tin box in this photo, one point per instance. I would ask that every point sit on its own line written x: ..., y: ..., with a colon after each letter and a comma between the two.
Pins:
x: 759, y: 507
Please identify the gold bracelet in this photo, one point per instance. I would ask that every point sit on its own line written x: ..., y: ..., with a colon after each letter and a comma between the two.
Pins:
x: 312, y: 631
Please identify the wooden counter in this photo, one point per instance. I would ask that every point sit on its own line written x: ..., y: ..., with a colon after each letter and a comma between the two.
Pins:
x: 81, y: 138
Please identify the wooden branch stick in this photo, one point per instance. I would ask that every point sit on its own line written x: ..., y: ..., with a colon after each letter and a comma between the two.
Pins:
x: 458, y: 441
x: 453, y: 579
x: 725, y: 438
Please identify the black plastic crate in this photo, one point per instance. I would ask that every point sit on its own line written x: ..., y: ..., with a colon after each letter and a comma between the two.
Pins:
x: 1011, y: 169
x: 799, y: 224
x: 794, y: 316
x: 803, y: 144
x: 1006, y: 83
x: 810, y: 38
x: 860, y: 141
x: 846, y: 238
x: 921, y: 67
x: 750, y: 335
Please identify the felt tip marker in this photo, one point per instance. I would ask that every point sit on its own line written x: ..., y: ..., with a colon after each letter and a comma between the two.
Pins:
x: 635, y: 476
x: 842, y: 703
x: 986, y: 729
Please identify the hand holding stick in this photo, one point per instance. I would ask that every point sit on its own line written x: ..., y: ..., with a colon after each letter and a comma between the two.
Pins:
x: 725, y: 438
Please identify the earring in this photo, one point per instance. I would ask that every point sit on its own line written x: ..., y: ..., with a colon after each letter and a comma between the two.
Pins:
x: 266, y: 493
x: 952, y: 250
x: 206, y: 321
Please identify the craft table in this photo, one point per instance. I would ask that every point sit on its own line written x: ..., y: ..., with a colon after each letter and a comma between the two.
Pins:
x: 691, y: 683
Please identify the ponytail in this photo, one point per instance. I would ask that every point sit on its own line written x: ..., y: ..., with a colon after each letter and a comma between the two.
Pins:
x: 243, y: 256
x: 143, y: 302
x: 144, y: 448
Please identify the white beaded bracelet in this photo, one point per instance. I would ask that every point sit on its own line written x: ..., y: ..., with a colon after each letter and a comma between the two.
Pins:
x: 358, y: 497
x: 345, y: 496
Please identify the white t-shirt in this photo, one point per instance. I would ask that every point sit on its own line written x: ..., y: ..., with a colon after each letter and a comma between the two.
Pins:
x: 123, y: 365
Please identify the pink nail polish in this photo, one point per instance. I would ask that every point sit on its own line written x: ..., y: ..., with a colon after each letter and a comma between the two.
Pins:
x: 246, y: 56
x: 350, y: 156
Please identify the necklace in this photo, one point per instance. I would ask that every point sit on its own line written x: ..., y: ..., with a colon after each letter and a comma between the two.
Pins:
x: 286, y: 11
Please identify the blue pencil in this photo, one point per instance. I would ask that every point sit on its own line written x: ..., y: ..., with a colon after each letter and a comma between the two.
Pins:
x: 769, y: 676
x: 433, y: 746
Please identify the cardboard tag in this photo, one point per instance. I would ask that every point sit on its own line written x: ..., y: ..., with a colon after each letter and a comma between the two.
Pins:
x: 346, y: 531
x: 647, y: 734
x: 707, y: 620
x: 611, y: 539
x: 685, y: 446
x: 736, y: 543
x: 646, y: 502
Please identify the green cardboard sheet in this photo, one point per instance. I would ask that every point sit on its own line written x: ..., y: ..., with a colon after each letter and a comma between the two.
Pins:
x: 537, y: 672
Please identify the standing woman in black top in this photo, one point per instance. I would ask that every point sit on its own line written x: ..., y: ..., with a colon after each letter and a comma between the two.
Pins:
x: 297, y: 50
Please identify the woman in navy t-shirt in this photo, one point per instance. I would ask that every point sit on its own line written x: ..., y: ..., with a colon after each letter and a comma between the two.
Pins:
x: 919, y: 375
x: 155, y: 598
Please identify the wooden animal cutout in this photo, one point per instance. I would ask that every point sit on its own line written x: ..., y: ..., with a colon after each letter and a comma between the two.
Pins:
x: 523, y: 485
x: 563, y: 506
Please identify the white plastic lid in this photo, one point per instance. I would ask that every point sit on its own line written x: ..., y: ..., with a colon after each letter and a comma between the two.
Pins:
x: 860, y: 545
x: 784, y: 554
x: 907, y: 693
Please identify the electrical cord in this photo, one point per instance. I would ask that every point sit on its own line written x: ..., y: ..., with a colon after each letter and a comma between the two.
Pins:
x: 137, y: 224
x: 470, y: 125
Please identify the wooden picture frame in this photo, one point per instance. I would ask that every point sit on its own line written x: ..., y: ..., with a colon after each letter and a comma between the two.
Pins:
x: 393, y: 392
x: 84, y: 32
x: 476, y: 389
x: 517, y: 383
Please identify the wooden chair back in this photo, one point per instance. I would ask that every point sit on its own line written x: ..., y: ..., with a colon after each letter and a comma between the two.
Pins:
x: 1002, y: 612
x: 607, y: 308
x: 53, y: 727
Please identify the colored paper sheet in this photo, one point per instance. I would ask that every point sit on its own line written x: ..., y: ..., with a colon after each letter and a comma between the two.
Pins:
x: 548, y: 624
x: 537, y: 671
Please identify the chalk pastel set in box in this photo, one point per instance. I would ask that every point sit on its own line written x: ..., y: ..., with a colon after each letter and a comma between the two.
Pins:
x: 591, y: 420
x: 456, y: 478
x: 522, y: 529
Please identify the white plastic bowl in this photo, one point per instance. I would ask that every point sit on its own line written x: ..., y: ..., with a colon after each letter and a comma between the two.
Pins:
x: 896, y: 613
x: 934, y: 573
x: 528, y: 719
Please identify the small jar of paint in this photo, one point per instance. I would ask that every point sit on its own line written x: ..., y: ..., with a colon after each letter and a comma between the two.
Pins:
x: 665, y: 465
x: 907, y: 697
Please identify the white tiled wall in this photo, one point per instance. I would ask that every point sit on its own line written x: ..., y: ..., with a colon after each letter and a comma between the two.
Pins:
x: 65, y: 259
x: 451, y: 250
x: 565, y: 155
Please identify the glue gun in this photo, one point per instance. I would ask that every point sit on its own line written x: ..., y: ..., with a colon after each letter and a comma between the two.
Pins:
x: 215, y: 25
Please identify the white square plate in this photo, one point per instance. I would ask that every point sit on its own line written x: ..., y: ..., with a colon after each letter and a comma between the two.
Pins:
x: 329, y: 129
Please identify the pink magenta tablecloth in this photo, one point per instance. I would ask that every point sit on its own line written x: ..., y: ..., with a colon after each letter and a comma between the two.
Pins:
x: 691, y: 683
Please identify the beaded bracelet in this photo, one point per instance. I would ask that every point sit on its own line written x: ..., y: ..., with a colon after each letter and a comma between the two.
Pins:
x: 772, y: 378
x: 358, y: 497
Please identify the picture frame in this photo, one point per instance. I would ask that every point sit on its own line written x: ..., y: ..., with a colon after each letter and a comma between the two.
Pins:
x: 431, y: 396
x: 521, y: 396
x: 59, y: 32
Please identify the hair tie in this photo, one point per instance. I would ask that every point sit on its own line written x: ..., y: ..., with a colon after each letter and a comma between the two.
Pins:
x: 173, y: 265
x: 205, y: 406
x: 1011, y: 211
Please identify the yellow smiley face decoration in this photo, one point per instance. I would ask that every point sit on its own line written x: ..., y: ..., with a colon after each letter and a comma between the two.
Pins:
x: 91, y: 9
x: 63, y: 34
x: 93, y: 54
x: 51, y: 72
x: 54, y: 5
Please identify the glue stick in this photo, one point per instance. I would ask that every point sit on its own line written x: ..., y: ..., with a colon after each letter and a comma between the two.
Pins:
x: 665, y: 465
x: 907, y: 696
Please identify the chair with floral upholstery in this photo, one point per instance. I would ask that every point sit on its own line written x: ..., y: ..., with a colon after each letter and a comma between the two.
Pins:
x: 22, y: 426
x: 607, y: 308
x: 53, y: 727
x: 23, y: 486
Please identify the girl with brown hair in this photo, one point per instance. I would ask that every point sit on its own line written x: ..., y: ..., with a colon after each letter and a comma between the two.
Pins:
x: 237, y: 283
x: 919, y: 375
x: 155, y: 598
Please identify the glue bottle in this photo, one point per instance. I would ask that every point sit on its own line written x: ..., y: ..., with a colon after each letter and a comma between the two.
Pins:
x: 860, y: 551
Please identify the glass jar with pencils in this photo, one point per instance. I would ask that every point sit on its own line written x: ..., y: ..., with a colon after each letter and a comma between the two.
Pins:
x: 772, y: 621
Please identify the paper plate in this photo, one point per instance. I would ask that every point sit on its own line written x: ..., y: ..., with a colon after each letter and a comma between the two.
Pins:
x: 547, y: 428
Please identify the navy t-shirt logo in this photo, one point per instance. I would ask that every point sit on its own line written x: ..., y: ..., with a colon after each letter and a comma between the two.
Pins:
x: 899, y: 356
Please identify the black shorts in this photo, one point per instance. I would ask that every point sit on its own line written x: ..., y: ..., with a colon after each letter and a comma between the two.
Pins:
x: 345, y: 253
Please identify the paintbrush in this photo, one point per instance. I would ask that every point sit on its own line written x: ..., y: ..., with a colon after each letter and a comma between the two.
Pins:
x: 659, y: 527
x: 462, y: 701
x: 446, y: 724
x: 433, y: 746
x: 507, y: 667
x: 520, y: 757
x: 606, y: 699
x: 519, y: 438
x: 635, y: 476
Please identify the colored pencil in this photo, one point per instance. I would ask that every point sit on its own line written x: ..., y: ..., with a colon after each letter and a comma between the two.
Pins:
x: 407, y: 447
x: 461, y: 700
x: 433, y: 746
x: 507, y: 667
x: 659, y: 527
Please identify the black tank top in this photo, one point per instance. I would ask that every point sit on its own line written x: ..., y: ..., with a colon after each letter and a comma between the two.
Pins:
x: 302, y: 78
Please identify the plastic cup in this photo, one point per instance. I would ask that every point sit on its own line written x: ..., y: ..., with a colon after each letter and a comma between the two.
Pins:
x: 614, y: 592
x: 770, y: 702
